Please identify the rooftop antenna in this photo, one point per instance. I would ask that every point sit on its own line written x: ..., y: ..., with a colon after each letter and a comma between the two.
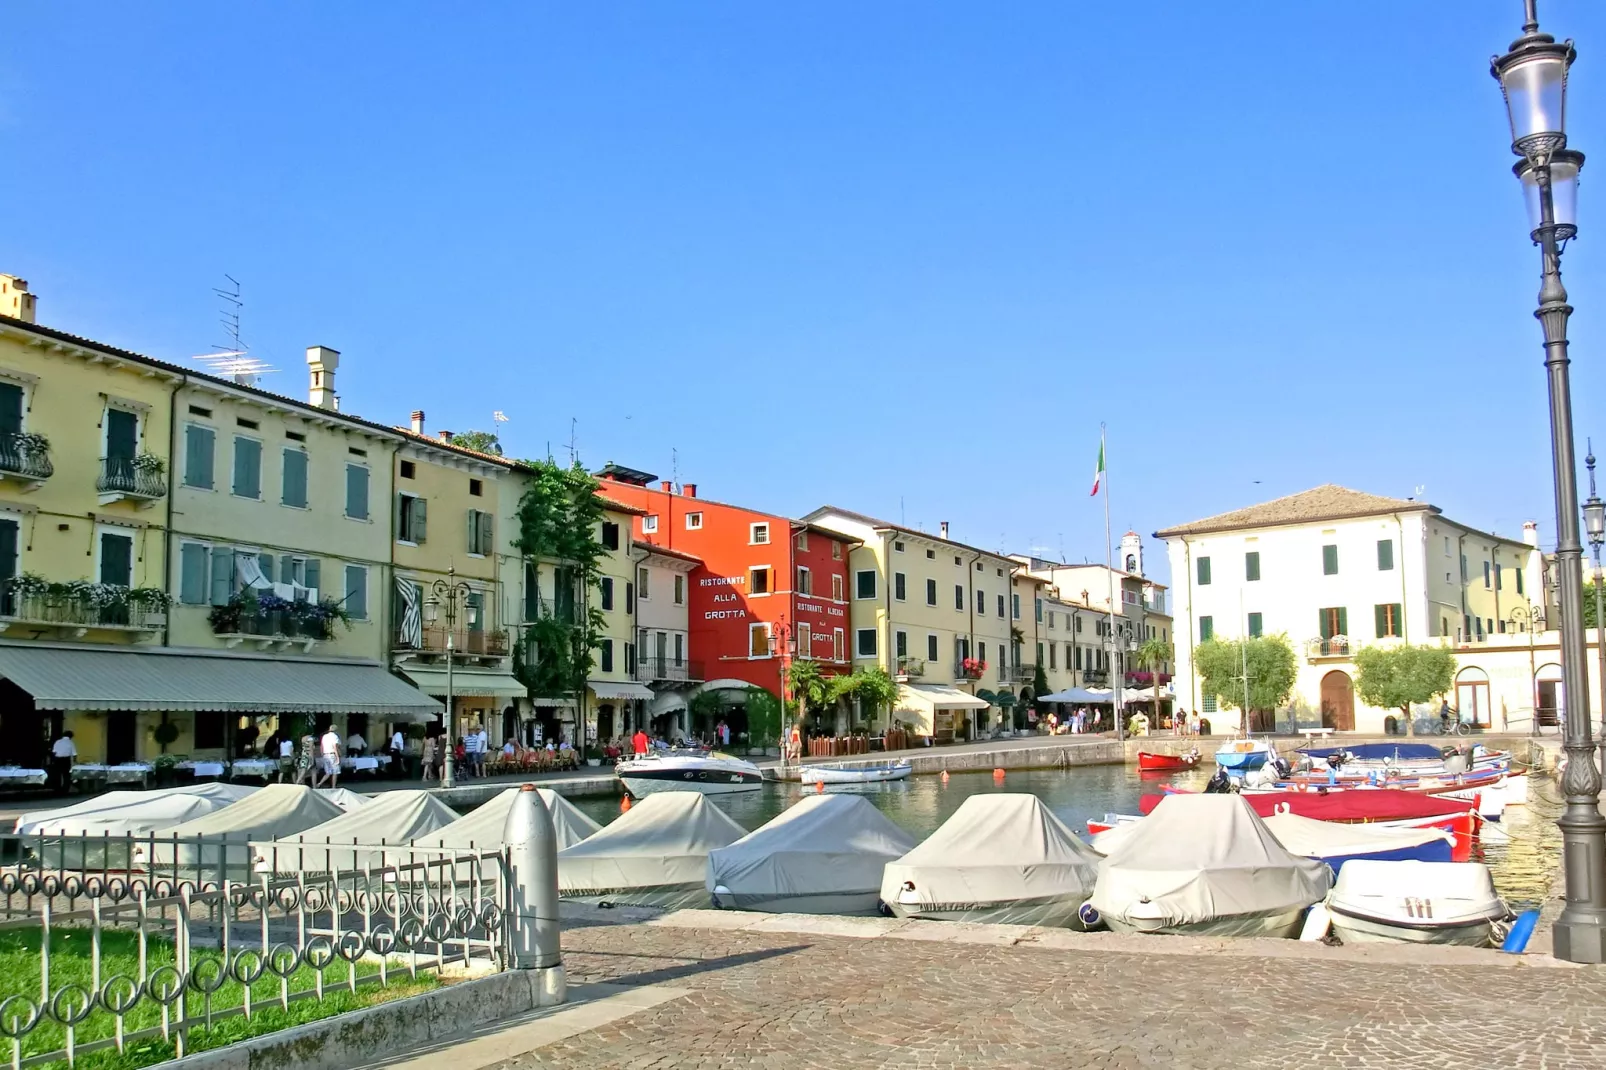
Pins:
x: 901, y: 521
x: 674, y: 467
x: 233, y: 361
x: 1063, y: 559
x: 574, y: 455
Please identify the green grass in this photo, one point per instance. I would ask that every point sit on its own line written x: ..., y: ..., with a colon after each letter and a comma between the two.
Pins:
x: 70, y: 963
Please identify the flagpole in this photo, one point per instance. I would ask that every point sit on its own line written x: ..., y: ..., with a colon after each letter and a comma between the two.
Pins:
x: 1116, y: 671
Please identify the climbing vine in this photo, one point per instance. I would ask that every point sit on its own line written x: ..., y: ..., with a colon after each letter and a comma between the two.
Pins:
x: 558, y: 524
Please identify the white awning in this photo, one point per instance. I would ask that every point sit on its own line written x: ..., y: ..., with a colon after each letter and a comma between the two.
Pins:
x: 926, y: 697
x: 666, y: 703
x: 467, y: 683
x: 617, y: 690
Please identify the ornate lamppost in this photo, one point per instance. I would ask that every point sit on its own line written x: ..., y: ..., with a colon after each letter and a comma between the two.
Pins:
x: 1595, y: 529
x: 1533, y: 78
x: 449, y: 595
x: 783, y: 641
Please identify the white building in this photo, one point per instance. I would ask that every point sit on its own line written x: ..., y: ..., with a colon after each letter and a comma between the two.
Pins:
x: 1336, y: 569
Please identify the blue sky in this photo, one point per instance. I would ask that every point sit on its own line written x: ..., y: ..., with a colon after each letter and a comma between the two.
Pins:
x: 898, y: 257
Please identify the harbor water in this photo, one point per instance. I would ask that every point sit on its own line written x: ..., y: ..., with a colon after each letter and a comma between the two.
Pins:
x: 1523, y: 849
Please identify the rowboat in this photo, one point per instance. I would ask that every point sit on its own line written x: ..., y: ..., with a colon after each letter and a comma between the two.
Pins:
x: 1241, y: 755
x: 1166, y: 763
x: 854, y: 774
x: 1417, y: 903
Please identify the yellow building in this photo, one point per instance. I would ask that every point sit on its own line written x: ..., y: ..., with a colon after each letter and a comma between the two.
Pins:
x: 616, y: 696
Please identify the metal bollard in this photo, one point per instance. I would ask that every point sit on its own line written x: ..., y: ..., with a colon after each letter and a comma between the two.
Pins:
x: 533, y: 934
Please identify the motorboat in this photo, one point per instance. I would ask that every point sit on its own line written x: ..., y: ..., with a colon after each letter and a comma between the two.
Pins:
x: 1001, y: 858
x: 1167, y: 763
x: 1206, y: 864
x: 1417, y: 903
x: 824, y: 855
x: 709, y: 773
x: 855, y: 774
x: 653, y: 855
x: 350, y: 841
x: 219, y: 844
x: 1339, y: 844
x: 481, y: 827
x: 100, y: 832
x: 1242, y: 755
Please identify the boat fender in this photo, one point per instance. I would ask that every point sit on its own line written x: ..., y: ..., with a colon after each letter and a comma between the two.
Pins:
x: 998, y: 774
x: 1282, y: 808
x: 624, y: 804
x: 1522, y: 931
x: 1089, y: 915
x: 907, y: 895
x: 819, y: 787
x: 719, y: 889
x: 1317, y: 922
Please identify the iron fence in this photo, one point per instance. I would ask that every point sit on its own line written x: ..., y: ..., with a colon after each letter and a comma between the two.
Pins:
x: 136, y: 943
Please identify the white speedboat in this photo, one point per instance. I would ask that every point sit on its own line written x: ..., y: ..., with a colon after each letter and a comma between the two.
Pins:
x: 854, y: 774
x: 711, y: 774
x: 1416, y: 903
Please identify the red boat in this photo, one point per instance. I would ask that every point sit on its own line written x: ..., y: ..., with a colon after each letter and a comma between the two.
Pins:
x: 1166, y: 763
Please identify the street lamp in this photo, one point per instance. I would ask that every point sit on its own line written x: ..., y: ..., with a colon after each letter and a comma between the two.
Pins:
x: 784, y: 642
x: 1595, y: 530
x: 1533, y: 78
x: 450, y: 594
x: 1530, y: 617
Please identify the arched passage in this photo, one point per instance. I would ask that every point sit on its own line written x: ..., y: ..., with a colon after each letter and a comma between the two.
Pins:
x: 1338, y: 701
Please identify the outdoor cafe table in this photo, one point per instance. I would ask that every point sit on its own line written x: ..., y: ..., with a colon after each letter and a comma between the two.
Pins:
x: 200, y: 769
x: 123, y: 773
x: 258, y: 767
x: 15, y: 774
x: 360, y: 763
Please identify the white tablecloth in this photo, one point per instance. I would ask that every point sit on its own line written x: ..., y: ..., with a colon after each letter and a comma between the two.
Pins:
x: 361, y: 763
x: 203, y: 768
x: 17, y: 774
x: 263, y: 767
x: 126, y: 773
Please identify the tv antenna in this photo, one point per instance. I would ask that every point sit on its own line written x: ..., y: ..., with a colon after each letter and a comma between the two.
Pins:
x: 574, y: 454
x: 233, y: 361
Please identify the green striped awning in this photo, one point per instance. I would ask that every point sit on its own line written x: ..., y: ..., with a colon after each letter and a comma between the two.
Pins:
x: 63, y: 677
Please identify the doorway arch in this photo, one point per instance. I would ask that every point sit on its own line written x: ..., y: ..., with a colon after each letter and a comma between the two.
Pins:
x: 1338, y: 701
x: 1472, y: 696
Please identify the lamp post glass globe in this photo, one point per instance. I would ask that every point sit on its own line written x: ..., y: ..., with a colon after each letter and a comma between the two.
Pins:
x: 1533, y: 79
x: 1563, y: 167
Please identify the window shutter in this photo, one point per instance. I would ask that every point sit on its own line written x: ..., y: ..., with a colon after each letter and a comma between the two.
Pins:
x: 310, y: 570
x: 357, y: 491
x: 1324, y: 624
x: 357, y: 591
x: 1382, y: 620
x: 295, y: 478
x: 192, y: 574
x: 267, y: 568
x: 1343, y: 622
x: 473, y: 542
x: 198, y: 443
x: 420, y: 519
x: 222, y: 574
x: 116, y: 559
x: 487, y: 534
x: 287, y: 569
x: 247, y: 468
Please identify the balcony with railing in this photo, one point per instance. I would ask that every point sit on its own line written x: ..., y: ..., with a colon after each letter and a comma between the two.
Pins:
x: 650, y: 670
x: 911, y: 668
x: 1337, y: 646
x: 969, y: 669
x: 1022, y: 673
x: 477, y: 644
x: 25, y: 458
x: 142, y: 480
x: 99, y: 607
x: 1095, y: 678
x: 267, y: 628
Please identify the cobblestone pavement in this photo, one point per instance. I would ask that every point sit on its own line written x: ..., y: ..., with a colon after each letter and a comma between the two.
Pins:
x: 794, y: 1000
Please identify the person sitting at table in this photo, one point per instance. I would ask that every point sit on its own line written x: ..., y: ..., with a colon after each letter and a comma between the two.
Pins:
x: 355, y: 744
x: 510, y: 750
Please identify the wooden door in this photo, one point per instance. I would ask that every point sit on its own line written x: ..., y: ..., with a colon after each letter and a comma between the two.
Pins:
x: 1338, y: 702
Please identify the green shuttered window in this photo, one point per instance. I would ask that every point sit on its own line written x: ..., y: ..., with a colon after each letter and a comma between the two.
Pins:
x: 295, y: 478
x: 247, y: 467
x: 357, y: 491
x: 198, y: 447
x: 357, y: 592
x: 1330, y: 560
x: 1385, y: 555
x: 1252, y: 566
x: 1204, y: 571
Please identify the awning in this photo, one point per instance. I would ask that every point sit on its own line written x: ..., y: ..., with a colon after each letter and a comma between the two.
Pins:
x: 1079, y: 694
x: 466, y: 683
x: 666, y: 703
x: 936, y: 697
x: 72, y: 678
x: 614, y: 690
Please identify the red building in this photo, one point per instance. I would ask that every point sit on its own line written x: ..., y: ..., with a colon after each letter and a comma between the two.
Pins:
x: 768, y: 587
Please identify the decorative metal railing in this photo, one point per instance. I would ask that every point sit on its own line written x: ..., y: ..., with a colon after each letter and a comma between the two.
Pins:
x: 910, y: 666
x: 141, y: 937
x: 26, y: 455
x: 122, y: 475
x: 653, y: 668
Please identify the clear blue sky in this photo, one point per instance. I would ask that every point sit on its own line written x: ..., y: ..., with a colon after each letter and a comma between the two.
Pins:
x: 866, y: 254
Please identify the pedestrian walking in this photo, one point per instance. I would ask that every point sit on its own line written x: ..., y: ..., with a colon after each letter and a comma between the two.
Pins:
x: 430, y: 750
x: 638, y: 743
x: 306, y: 761
x: 329, y: 760
x: 62, y: 753
x: 287, y: 759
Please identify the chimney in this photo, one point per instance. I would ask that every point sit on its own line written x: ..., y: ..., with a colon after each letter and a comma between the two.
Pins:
x: 15, y: 300
x: 1530, y: 533
x: 323, y: 362
x: 667, y: 487
x: 418, y: 421
x: 689, y: 489
x: 943, y: 528
x: 444, y: 436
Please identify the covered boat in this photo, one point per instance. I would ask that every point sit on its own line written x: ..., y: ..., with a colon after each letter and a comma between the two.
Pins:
x: 482, y: 826
x: 1000, y: 858
x: 654, y: 855
x: 394, y: 817
x: 855, y: 774
x: 709, y: 774
x: 345, y: 798
x: 1417, y: 903
x: 63, y: 834
x: 1337, y: 844
x: 220, y: 842
x: 824, y: 855
x: 1206, y: 864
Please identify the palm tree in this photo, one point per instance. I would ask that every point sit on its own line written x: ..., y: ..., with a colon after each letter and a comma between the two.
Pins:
x: 1152, y: 656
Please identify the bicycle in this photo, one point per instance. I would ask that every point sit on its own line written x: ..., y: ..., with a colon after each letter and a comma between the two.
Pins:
x: 1453, y: 728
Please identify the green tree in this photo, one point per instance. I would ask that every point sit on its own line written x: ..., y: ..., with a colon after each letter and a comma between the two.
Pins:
x: 1270, y: 664
x: 481, y: 441
x: 1039, y: 689
x: 1398, y: 677
x: 1589, y: 603
x: 872, y: 688
x: 811, y: 688
x: 1153, y: 656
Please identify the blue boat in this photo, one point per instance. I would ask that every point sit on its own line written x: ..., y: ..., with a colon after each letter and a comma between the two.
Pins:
x: 1242, y: 755
x: 1336, y: 843
x: 1377, y: 752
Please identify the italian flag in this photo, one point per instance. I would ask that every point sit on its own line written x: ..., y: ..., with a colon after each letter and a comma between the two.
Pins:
x: 1098, y: 472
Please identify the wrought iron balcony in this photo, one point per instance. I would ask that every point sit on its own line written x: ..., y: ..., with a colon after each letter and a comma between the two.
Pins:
x: 665, y: 670
x: 25, y: 458
x: 78, y: 615
x: 1022, y: 673
x: 1338, y: 646
x: 270, y: 626
x: 1095, y: 677
x: 465, y: 642
x: 135, y: 479
x: 911, y: 667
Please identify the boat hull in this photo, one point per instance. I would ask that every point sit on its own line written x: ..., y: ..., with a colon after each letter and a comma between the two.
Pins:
x: 1240, y: 761
x: 852, y: 904
x: 1357, y: 928
x: 1050, y: 912
x: 1165, y: 763
x: 639, y: 786
x: 1282, y: 923
x: 1432, y: 851
x: 877, y: 774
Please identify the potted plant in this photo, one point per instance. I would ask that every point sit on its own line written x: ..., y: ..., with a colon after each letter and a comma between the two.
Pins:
x: 972, y: 668
x: 150, y: 464
x: 33, y: 442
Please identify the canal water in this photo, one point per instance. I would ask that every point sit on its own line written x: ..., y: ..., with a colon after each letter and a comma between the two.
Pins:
x: 1523, y: 850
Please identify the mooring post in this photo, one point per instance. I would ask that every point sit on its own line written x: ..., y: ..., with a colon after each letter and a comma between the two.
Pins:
x: 533, y: 929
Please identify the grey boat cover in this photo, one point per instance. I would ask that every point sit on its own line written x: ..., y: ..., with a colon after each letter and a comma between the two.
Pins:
x: 1311, y: 838
x: 345, y: 798
x: 1000, y: 858
x: 655, y: 854
x: 1197, y: 858
x: 392, y: 817
x: 824, y: 854
x: 267, y: 813
x: 482, y: 827
x: 123, y: 813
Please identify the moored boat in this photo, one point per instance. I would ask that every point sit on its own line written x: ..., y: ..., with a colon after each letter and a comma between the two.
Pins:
x: 1417, y: 903
x: 1339, y: 844
x: 1166, y: 763
x: 653, y: 855
x: 711, y: 774
x: 1242, y: 755
x: 854, y: 774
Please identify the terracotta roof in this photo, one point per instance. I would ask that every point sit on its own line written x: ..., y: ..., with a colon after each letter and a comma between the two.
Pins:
x: 1327, y: 502
x: 653, y: 547
x: 619, y: 506
x: 813, y: 519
